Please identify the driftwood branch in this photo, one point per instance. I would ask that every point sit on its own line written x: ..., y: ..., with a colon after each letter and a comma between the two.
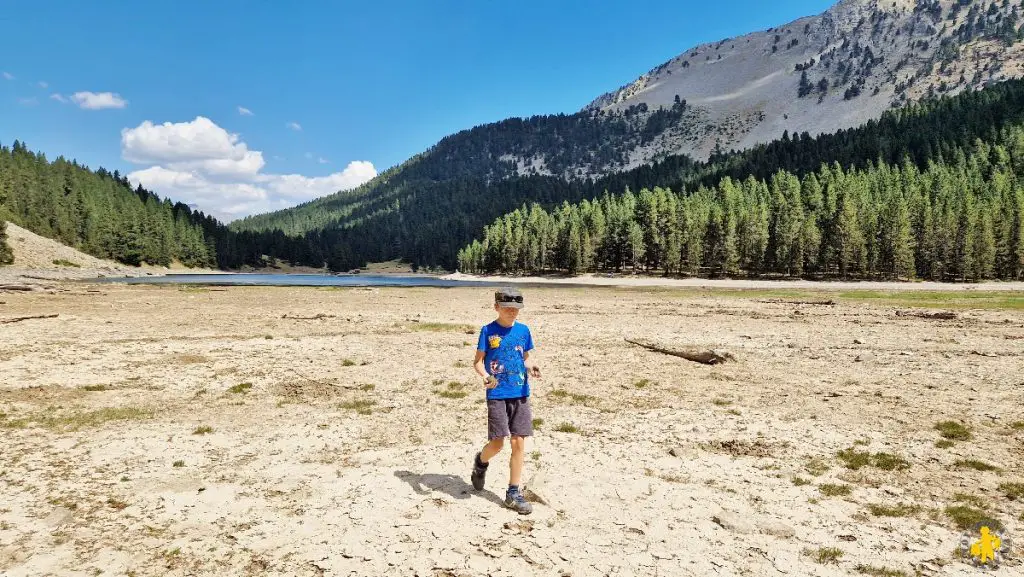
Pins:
x: 826, y: 302
x: 941, y: 315
x: 704, y: 356
x: 17, y: 287
x: 19, y: 319
x: 315, y: 317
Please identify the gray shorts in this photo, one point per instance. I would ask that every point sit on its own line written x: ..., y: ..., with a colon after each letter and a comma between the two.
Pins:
x: 509, y: 417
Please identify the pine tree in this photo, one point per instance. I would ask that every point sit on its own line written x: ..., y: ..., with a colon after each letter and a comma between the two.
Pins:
x: 6, y: 254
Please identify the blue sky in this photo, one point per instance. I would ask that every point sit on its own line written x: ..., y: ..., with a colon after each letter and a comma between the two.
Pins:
x: 366, y: 84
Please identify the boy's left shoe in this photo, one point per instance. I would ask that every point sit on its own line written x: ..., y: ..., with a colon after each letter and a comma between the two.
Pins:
x: 515, y: 500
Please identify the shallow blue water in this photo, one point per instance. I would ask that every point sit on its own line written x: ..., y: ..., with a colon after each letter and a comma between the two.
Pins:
x: 297, y: 280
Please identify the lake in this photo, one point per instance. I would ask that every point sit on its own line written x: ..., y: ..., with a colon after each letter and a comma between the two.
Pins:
x: 353, y: 280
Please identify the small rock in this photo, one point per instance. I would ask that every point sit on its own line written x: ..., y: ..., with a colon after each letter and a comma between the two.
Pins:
x: 858, y: 342
x: 732, y: 523
x: 776, y: 529
x: 865, y: 357
x: 676, y: 451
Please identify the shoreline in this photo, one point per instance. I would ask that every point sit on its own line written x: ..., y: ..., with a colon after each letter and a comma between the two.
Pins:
x: 740, y: 284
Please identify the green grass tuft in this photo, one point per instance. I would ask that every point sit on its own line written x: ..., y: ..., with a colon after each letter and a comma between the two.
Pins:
x: 567, y: 428
x: 834, y: 490
x: 823, y: 555
x: 879, y: 571
x: 974, y: 464
x: 901, y: 510
x: 966, y: 517
x: 203, y: 430
x: 944, y: 443
x: 1012, y: 491
x: 361, y: 406
x: 953, y: 430
x: 240, y: 388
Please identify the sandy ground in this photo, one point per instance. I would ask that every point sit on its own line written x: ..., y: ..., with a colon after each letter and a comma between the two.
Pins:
x: 157, y: 430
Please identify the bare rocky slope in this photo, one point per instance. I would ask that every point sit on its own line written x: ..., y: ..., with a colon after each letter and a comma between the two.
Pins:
x: 859, y: 58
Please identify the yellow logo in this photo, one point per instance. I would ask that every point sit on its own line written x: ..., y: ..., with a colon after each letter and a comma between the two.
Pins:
x: 986, y: 544
x: 494, y: 341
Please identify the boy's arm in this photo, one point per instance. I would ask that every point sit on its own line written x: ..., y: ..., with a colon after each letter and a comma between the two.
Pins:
x: 531, y: 366
x: 478, y: 364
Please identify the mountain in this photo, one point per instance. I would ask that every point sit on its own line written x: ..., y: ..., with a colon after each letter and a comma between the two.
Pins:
x: 819, y: 74
x: 822, y: 73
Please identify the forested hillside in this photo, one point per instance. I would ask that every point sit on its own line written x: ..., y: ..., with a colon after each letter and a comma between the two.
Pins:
x: 99, y: 213
x: 426, y: 222
x: 957, y: 220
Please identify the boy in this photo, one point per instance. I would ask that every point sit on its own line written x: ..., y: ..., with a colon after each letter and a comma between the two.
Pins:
x: 503, y: 360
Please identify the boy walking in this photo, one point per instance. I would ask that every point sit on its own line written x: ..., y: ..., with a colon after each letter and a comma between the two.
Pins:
x: 503, y: 360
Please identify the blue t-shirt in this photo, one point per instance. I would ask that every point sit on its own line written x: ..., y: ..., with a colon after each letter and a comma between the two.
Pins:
x: 503, y: 349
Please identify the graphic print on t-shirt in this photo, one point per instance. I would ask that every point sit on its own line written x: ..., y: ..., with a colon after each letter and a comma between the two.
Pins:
x: 503, y: 349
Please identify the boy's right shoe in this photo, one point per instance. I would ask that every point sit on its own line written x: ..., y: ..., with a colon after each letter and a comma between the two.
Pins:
x: 479, y: 472
x: 515, y: 500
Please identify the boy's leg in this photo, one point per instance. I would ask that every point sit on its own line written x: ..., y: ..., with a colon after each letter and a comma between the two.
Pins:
x: 497, y: 430
x: 520, y: 426
x: 515, y: 465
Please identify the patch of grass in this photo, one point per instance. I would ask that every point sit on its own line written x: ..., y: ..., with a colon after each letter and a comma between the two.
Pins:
x: 461, y: 365
x: 538, y: 423
x: 861, y: 442
x: 1001, y: 300
x: 361, y: 406
x: 800, y: 481
x: 203, y: 430
x: 953, y: 430
x: 95, y: 388
x: 823, y: 555
x: 1017, y: 425
x: 734, y: 412
x: 816, y: 467
x: 721, y: 402
x: 240, y: 388
x: 563, y: 394
x: 367, y: 387
x: 348, y: 363
x: 969, y: 499
x: 879, y: 571
x: 890, y: 462
x: 268, y: 337
x: 642, y: 383
x: 900, y: 510
x: 567, y: 428
x: 834, y: 490
x: 77, y: 420
x: 966, y: 517
x: 454, y: 390
x: 65, y: 262
x: 178, y: 463
x: 1013, y: 491
x: 944, y: 443
x: 535, y: 456
x: 855, y: 460
x: 443, y: 328
x: 974, y: 464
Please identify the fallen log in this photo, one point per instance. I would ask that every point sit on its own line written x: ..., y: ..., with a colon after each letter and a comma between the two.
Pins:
x: 19, y: 319
x: 17, y: 287
x: 827, y: 302
x: 941, y: 315
x: 704, y: 356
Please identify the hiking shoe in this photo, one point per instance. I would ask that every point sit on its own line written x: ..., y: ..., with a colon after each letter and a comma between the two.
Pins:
x: 479, y: 472
x: 515, y: 500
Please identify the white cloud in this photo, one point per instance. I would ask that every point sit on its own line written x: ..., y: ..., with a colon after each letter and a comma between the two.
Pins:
x: 294, y: 126
x: 323, y: 160
x: 244, y: 111
x: 43, y: 84
x: 58, y: 98
x: 98, y: 100
x: 8, y: 76
x: 199, y: 163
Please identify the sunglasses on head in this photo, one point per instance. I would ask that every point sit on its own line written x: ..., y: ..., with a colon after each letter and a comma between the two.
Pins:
x: 509, y: 299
